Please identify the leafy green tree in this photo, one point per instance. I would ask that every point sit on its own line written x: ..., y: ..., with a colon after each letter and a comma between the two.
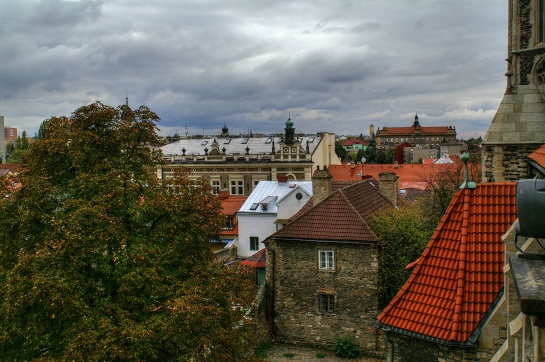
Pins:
x: 101, y: 261
x: 17, y: 156
x: 404, y: 234
x: 340, y: 151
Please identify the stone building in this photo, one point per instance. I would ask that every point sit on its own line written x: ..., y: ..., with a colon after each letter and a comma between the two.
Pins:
x: 451, y: 307
x: 518, y: 128
x: 524, y: 290
x: 416, y: 135
x: 238, y: 164
x: 322, y: 268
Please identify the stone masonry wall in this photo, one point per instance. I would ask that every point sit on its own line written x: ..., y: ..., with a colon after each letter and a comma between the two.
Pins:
x: 506, y: 162
x: 407, y: 349
x: 297, y: 282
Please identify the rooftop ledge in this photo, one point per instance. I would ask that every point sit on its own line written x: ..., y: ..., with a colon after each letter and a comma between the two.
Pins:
x: 528, y: 274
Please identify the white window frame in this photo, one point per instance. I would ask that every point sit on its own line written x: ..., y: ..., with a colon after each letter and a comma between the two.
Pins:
x: 326, y: 259
x: 237, y: 187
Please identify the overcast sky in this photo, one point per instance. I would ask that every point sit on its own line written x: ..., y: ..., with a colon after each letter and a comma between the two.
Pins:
x: 335, y: 66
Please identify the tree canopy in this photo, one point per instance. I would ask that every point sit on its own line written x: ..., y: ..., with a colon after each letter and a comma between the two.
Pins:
x: 404, y: 233
x: 100, y: 260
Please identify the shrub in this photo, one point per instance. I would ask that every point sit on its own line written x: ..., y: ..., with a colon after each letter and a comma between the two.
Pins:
x: 345, y: 348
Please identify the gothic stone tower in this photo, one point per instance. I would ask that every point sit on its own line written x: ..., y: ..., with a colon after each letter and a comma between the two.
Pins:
x: 518, y: 128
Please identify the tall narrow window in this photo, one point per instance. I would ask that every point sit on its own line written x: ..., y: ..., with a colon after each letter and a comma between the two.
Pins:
x: 326, y: 259
x: 215, y: 187
x: 541, y: 15
x: 254, y: 243
x: 326, y: 303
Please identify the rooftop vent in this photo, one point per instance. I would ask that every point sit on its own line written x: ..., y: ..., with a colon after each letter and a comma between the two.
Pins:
x: 531, y: 208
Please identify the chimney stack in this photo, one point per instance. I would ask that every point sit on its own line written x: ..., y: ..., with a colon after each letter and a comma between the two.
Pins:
x: 322, y: 184
x: 388, y: 186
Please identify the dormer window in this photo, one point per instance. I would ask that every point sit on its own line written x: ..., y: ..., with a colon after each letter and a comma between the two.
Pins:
x: 267, y: 202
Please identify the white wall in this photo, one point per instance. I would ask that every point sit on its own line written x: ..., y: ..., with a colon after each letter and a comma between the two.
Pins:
x: 256, y: 224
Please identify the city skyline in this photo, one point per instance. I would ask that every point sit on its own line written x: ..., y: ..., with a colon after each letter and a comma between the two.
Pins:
x: 335, y: 67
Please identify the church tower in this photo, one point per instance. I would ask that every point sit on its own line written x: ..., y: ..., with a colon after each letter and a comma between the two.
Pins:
x: 518, y: 128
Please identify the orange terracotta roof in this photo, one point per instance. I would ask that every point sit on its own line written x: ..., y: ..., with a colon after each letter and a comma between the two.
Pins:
x: 405, y: 172
x: 460, y: 273
x: 13, y: 167
x: 408, y: 130
x: 538, y: 156
x: 342, y: 216
x: 232, y: 204
x: 352, y: 141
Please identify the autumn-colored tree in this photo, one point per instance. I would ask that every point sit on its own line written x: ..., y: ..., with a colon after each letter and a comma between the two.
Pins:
x: 101, y: 261
x: 404, y: 233
x: 445, y: 182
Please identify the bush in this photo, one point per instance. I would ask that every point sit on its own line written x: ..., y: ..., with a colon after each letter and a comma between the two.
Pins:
x: 345, y: 348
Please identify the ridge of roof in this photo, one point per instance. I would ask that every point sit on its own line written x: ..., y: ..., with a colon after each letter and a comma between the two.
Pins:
x: 459, y: 275
x: 347, y: 209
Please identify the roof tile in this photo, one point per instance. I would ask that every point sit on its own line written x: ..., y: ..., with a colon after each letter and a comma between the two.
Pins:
x: 461, y: 269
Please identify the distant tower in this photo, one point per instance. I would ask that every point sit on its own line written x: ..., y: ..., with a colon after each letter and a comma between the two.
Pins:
x: 416, y: 123
x: 518, y: 128
x: 289, y: 137
x: 371, y: 130
x: 224, y: 130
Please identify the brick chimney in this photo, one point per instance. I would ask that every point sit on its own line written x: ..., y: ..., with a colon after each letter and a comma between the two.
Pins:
x: 322, y: 184
x: 388, y: 186
x: 283, y: 179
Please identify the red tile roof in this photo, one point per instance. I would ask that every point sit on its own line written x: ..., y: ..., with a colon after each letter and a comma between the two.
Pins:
x: 337, y: 185
x: 460, y: 273
x: 258, y: 260
x: 352, y: 141
x: 408, y: 130
x: 405, y: 172
x: 342, y: 216
x: 231, y: 204
x: 538, y: 156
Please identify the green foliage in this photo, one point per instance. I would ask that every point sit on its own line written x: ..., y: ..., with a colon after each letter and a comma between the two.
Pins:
x: 262, y: 350
x: 102, y: 261
x: 404, y: 233
x: 288, y: 355
x: 17, y: 156
x: 340, y: 151
x: 344, y: 348
x: 320, y: 355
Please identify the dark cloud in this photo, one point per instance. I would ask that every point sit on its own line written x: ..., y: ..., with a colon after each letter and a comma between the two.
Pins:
x: 334, y: 66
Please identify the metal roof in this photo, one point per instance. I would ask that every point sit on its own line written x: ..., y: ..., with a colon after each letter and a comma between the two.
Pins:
x: 272, y: 189
x: 234, y: 146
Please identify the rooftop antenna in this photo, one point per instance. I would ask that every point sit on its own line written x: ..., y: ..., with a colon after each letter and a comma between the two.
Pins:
x: 126, y: 98
x: 186, y: 131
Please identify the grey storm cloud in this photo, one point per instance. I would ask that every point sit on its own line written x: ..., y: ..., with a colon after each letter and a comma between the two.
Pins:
x: 334, y: 66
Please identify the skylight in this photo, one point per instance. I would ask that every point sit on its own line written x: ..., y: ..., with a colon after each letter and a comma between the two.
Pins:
x: 227, y: 141
x: 268, y: 140
x: 204, y: 143
x: 254, y: 206
x: 244, y: 141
